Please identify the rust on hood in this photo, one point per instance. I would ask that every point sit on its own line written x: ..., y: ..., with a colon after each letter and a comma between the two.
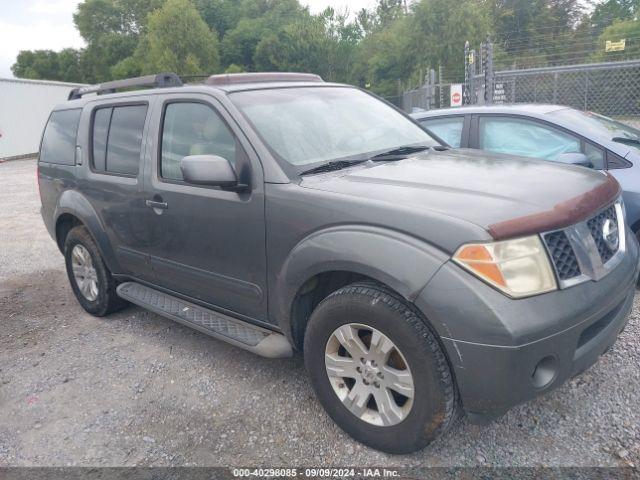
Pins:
x: 562, y: 215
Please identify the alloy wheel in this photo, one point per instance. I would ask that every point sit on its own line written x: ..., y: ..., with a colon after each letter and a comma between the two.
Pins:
x: 369, y: 374
x: 84, y: 272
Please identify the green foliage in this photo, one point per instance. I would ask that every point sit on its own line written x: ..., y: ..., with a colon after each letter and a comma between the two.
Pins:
x: 610, y: 11
x: 437, y: 32
x: 387, y: 48
x: 628, y: 30
x: 47, y: 64
x: 324, y: 44
x: 233, y: 68
x: 178, y: 40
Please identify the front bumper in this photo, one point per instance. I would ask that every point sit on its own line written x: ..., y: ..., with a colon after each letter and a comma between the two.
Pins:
x: 505, y: 351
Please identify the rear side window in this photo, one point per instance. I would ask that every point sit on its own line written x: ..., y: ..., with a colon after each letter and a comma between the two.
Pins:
x: 448, y: 129
x: 117, y: 139
x: 59, y: 139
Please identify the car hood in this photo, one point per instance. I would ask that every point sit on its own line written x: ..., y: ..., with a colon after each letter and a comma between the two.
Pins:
x: 505, y: 195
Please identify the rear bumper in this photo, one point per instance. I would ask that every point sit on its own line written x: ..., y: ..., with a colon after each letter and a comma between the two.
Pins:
x: 505, y: 352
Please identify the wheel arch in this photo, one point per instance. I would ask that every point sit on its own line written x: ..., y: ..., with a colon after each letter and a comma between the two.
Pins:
x: 330, y: 259
x: 73, y: 210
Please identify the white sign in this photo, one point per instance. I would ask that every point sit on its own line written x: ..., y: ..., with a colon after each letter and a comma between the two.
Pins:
x: 456, y: 95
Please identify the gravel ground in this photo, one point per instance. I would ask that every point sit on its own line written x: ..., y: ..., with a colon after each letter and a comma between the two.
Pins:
x: 136, y: 389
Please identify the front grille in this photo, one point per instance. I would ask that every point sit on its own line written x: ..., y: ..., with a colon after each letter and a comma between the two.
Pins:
x: 588, y: 250
x: 596, y: 225
x: 562, y: 254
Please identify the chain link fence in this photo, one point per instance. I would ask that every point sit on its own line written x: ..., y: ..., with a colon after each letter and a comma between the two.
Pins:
x: 611, y: 88
x: 428, y: 97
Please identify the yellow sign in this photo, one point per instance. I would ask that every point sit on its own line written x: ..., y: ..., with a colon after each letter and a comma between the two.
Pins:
x: 471, y: 58
x: 615, y: 46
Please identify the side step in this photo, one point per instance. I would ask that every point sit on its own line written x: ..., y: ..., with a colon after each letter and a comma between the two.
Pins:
x: 241, y: 334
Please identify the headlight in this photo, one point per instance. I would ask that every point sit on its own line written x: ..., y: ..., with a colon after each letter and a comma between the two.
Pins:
x: 519, y: 267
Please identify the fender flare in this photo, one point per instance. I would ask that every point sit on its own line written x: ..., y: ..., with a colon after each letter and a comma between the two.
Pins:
x: 401, y: 262
x: 74, y: 203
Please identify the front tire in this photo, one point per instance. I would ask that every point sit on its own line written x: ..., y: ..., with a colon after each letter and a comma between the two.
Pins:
x: 378, y: 370
x: 90, y: 279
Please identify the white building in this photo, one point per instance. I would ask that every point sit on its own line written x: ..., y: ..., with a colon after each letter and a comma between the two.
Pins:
x: 24, y: 109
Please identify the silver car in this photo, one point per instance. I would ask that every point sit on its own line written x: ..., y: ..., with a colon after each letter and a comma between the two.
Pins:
x: 550, y: 132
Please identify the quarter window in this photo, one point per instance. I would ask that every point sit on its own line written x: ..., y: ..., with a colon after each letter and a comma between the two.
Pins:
x: 117, y: 139
x: 526, y: 138
x: 193, y: 129
x: 448, y: 129
x: 595, y: 155
x: 59, y: 139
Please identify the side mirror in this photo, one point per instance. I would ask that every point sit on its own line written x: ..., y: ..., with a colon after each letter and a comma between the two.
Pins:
x: 208, y: 170
x: 575, y: 159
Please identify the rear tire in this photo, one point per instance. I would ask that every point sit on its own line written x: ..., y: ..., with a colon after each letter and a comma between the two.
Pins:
x: 428, y: 404
x: 90, y: 279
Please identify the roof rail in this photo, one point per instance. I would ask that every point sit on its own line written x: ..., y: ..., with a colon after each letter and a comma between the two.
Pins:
x: 235, y: 78
x: 161, y: 80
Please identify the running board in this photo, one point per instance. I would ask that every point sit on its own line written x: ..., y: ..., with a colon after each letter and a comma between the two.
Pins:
x: 258, y: 340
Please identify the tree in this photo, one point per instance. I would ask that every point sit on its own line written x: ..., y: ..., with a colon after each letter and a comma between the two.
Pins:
x: 220, y: 15
x: 49, y: 65
x: 96, y: 18
x: 324, y: 44
x: 609, y: 11
x: 239, y: 44
x: 620, y: 30
x: 436, y: 34
x: 178, y: 40
x: 259, y: 19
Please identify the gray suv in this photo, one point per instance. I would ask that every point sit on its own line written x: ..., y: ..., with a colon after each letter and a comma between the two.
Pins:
x: 278, y: 212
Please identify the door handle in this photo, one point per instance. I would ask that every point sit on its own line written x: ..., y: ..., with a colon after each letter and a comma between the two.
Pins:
x: 156, y: 204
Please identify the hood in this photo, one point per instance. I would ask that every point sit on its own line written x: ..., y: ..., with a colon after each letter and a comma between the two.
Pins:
x: 506, y: 196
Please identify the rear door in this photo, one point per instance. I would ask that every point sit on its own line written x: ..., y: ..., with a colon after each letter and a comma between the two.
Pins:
x: 207, y: 243
x: 115, y: 153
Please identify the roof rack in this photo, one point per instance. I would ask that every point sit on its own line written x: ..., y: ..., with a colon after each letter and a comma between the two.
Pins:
x: 235, y: 78
x: 161, y: 80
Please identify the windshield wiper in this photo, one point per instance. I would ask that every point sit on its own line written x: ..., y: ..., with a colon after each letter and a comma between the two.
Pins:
x: 332, y: 166
x: 632, y: 141
x: 399, y: 153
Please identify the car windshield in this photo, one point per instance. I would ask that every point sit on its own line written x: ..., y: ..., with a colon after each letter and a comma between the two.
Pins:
x: 594, y: 125
x: 310, y: 125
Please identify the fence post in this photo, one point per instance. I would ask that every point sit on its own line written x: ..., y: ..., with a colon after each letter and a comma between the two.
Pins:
x: 467, y: 83
x: 586, y: 89
x: 473, y: 68
x: 440, y: 94
x: 488, y: 71
x: 432, y: 87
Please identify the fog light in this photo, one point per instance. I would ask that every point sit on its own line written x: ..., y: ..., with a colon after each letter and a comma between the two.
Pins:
x: 544, y: 372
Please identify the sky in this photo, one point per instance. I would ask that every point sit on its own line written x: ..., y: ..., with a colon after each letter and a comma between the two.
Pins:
x: 48, y: 24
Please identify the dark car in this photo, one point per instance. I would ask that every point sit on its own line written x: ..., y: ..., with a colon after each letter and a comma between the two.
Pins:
x: 548, y: 132
x: 278, y: 212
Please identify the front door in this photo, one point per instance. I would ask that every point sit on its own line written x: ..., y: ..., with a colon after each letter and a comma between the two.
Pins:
x: 207, y: 243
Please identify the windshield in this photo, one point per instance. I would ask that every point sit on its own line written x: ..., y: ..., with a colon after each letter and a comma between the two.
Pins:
x: 310, y: 125
x: 591, y: 125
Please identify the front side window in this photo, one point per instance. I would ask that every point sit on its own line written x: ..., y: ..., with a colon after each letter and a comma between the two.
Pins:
x: 59, y: 139
x: 313, y: 125
x: 448, y: 129
x: 193, y: 129
x: 526, y: 138
x: 117, y: 139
